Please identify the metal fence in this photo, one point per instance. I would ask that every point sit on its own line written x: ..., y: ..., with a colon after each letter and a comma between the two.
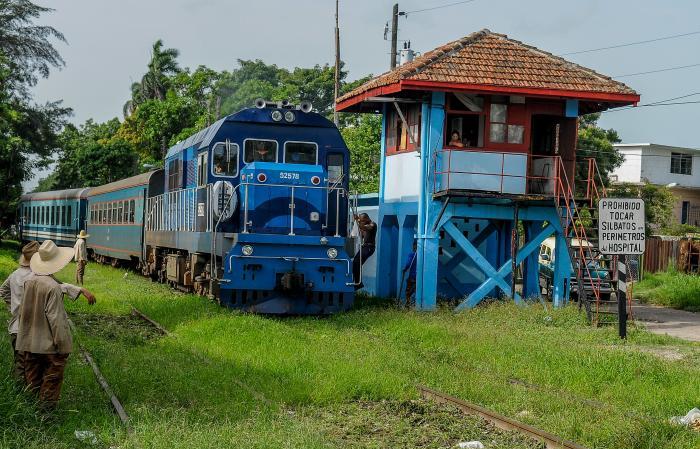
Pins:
x: 181, y: 210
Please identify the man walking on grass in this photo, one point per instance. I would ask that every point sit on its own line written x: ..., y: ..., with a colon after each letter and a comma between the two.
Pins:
x: 44, y: 335
x: 12, y: 291
x: 80, y: 256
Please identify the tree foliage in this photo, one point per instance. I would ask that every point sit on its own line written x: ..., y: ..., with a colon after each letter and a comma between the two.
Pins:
x: 658, y: 202
x: 596, y: 142
x: 28, y: 132
x: 363, y: 138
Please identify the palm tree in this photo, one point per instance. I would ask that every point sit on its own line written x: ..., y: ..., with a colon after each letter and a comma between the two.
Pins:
x: 155, y: 82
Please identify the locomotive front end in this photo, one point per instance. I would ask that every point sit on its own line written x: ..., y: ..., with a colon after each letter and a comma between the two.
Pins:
x: 290, y: 254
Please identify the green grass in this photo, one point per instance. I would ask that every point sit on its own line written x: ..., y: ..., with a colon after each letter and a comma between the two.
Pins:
x: 670, y: 289
x: 228, y: 379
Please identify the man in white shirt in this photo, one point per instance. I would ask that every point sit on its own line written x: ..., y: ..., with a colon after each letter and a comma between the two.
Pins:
x: 80, y: 256
x: 12, y: 291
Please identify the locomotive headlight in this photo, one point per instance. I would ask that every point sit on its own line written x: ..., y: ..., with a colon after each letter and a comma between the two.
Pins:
x: 276, y: 116
x: 289, y: 116
x: 332, y: 253
x: 247, y: 250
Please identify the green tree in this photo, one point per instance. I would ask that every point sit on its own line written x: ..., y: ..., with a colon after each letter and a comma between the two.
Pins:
x: 658, y: 202
x: 597, y: 143
x: 363, y: 138
x: 26, y: 46
x: 156, y: 81
x: 28, y: 132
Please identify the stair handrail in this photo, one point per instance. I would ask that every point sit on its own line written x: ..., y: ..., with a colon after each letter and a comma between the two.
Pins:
x: 566, y: 192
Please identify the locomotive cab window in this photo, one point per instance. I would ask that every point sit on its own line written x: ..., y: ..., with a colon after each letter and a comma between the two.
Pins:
x: 301, y: 153
x: 335, y: 162
x: 259, y: 150
x: 225, y: 159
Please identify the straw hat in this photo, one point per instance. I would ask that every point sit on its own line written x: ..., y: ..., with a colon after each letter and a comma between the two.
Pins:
x: 50, y: 258
x: 83, y: 234
x: 28, y: 251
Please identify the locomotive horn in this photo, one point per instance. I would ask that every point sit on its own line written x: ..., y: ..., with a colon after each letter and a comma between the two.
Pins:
x: 283, y: 103
x: 260, y: 103
x: 305, y: 106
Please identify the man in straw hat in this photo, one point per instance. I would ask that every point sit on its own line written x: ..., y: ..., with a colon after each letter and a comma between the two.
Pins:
x: 44, y: 334
x: 12, y: 291
x: 80, y: 256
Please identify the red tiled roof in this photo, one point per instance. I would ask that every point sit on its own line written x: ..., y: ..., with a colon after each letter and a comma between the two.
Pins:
x: 490, y: 59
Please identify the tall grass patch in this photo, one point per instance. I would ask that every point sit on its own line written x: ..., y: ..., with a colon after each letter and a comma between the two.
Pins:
x: 670, y: 289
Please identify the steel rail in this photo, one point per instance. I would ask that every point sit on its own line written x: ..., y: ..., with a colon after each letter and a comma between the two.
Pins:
x: 118, y: 407
x: 502, y: 422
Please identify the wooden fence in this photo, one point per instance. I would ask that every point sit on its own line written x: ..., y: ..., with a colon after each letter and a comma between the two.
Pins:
x: 683, y: 253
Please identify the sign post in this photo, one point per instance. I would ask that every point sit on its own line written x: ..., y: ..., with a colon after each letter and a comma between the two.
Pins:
x: 621, y: 232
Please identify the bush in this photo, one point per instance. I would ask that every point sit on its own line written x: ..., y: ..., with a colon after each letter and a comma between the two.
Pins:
x: 671, y: 289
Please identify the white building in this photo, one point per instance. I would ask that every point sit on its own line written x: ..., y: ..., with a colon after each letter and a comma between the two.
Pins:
x: 675, y: 167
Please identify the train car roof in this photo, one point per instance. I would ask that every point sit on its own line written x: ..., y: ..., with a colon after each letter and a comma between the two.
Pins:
x: 204, y: 137
x: 68, y: 194
x: 134, y: 181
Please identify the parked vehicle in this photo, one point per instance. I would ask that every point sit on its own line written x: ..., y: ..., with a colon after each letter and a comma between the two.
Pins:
x: 599, y: 274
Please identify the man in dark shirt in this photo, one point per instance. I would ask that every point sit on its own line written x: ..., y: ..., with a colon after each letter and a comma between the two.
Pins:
x: 368, y: 232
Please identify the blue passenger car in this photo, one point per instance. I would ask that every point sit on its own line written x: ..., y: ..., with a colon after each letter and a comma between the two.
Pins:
x: 56, y: 215
x: 255, y: 212
x: 116, y: 216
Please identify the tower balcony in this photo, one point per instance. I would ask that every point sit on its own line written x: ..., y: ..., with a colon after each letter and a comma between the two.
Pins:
x: 484, y: 173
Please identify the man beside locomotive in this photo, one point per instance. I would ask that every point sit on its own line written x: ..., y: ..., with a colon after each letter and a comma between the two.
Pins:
x: 43, y: 334
x: 12, y: 291
x: 368, y: 232
x: 80, y: 256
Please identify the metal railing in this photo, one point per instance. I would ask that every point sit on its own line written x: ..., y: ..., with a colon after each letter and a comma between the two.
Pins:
x: 180, y: 210
x: 496, y: 172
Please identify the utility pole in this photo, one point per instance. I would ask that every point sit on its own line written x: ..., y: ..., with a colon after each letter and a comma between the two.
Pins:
x: 394, y: 33
x: 337, y: 64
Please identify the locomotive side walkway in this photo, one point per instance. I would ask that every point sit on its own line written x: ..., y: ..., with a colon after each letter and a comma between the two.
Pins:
x: 665, y: 321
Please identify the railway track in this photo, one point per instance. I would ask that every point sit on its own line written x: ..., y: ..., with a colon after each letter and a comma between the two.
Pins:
x: 551, y: 441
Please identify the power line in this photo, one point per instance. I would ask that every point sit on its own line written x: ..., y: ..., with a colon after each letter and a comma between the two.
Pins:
x: 667, y: 69
x: 437, y: 7
x: 649, y: 105
x: 663, y: 38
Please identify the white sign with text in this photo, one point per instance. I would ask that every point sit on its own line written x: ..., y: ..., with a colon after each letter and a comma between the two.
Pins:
x: 621, y: 223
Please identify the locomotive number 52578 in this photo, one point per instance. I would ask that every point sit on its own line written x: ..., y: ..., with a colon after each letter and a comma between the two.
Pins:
x: 289, y: 175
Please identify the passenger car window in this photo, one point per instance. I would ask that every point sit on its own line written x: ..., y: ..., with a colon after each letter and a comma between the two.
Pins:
x: 225, y: 159
x: 300, y: 153
x: 258, y: 150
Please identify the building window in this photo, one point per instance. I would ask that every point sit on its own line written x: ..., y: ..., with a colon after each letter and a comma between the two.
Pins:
x: 681, y: 164
x: 399, y: 138
x: 501, y: 129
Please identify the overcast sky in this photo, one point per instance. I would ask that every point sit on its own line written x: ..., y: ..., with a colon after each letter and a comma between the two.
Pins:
x: 109, y: 43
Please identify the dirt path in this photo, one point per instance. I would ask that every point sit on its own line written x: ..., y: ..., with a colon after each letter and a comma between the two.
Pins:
x: 662, y: 320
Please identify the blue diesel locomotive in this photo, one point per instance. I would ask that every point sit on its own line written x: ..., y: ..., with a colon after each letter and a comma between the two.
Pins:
x: 252, y: 210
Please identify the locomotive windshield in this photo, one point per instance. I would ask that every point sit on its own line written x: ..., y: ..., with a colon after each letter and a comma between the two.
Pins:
x: 300, y: 153
x: 225, y: 161
x: 258, y: 150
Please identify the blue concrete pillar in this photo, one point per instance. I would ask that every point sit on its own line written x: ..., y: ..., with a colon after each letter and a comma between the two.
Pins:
x: 432, y: 126
x: 407, y: 234
x: 505, y: 229
x: 531, y: 264
x: 388, y: 246
x: 562, y: 271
